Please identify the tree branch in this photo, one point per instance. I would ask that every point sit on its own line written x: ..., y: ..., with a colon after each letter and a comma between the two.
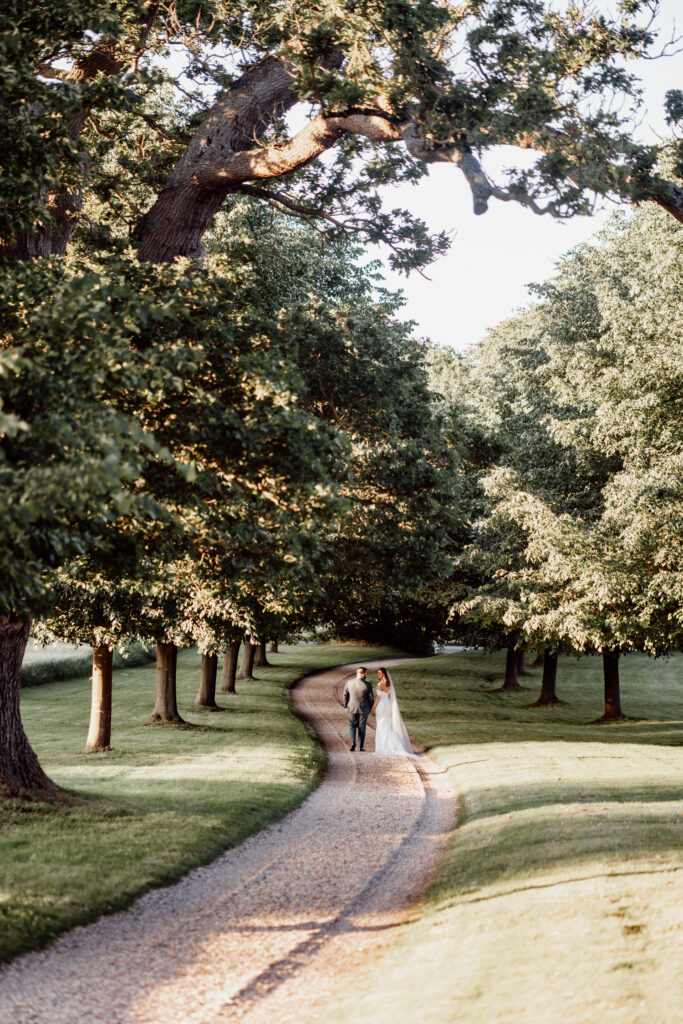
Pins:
x: 322, y: 133
x: 273, y: 161
x: 283, y: 200
x: 225, y: 154
x: 669, y: 196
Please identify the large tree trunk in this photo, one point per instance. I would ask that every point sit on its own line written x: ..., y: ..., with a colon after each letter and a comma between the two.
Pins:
x: 610, y: 669
x: 176, y: 223
x: 247, y: 665
x: 511, y: 681
x: 548, y: 694
x: 521, y: 666
x: 206, y: 694
x: 20, y: 772
x: 273, y: 647
x: 99, y: 733
x: 229, y: 671
x: 165, y: 705
x: 260, y: 660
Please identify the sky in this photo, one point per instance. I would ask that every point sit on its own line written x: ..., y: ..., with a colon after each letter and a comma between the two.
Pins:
x: 483, y: 277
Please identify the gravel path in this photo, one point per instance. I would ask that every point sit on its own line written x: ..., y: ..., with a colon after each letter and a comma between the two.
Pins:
x: 272, y: 926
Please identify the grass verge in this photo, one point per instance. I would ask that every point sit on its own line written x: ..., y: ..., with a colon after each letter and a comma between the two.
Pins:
x: 162, y: 801
x: 560, y: 895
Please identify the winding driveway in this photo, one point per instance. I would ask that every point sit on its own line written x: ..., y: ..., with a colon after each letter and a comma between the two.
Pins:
x: 272, y: 926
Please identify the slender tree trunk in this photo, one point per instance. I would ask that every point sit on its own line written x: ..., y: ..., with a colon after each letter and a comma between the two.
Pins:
x: 539, y: 659
x: 206, y: 694
x: 260, y: 660
x: 548, y: 693
x: 229, y: 671
x: 99, y: 733
x: 247, y: 665
x: 511, y: 681
x: 521, y: 666
x: 20, y: 772
x: 610, y: 669
x: 273, y: 647
x: 165, y: 705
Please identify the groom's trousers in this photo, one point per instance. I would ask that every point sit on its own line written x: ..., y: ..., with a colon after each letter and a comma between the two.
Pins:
x: 357, y: 722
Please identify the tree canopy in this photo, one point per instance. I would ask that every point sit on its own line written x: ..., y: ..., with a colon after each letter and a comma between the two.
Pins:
x: 212, y: 101
x: 578, y: 546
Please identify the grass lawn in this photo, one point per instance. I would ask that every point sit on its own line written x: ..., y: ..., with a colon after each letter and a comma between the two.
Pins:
x: 164, y: 800
x: 560, y: 899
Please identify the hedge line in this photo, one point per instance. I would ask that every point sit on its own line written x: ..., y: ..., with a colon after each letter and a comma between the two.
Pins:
x: 68, y: 666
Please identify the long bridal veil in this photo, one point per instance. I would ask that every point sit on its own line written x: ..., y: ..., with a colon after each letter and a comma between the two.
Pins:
x: 397, y: 725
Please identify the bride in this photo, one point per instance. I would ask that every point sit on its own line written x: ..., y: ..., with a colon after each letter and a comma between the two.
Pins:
x: 391, y: 736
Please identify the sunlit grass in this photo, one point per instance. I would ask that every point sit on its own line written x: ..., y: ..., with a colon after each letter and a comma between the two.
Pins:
x: 162, y: 801
x: 560, y: 896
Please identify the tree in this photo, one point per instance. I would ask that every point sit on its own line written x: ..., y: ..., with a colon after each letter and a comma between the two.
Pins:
x: 391, y: 87
x: 460, y: 395
x: 548, y: 695
x: 246, y: 517
x: 596, y: 523
x: 260, y: 659
x: 206, y: 694
x: 246, y: 668
x: 392, y: 547
x: 361, y: 374
x: 69, y: 461
x: 512, y: 396
x: 630, y: 378
x: 229, y: 668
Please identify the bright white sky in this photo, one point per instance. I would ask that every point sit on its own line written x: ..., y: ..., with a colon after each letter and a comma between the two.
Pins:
x: 483, y: 277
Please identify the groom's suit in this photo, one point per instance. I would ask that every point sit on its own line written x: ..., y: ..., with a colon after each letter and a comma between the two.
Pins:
x: 358, y: 699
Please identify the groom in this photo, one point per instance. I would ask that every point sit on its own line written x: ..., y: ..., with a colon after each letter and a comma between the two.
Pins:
x: 358, y: 699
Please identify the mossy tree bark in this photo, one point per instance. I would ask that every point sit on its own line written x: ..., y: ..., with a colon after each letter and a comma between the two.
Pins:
x: 511, y: 681
x: 260, y: 660
x: 165, y: 705
x: 610, y: 669
x: 229, y: 670
x: 20, y: 771
x: 206, y: 694
x: 99, y: 733
x: 548, y: 693
x: 247, y: 664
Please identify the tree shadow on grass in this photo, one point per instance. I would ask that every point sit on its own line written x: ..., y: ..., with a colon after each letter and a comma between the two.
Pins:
x: 532, y: 887
x: 457, y: 708
x: 95, y: 835
x: 507, y: 689
x: 550, y: 704
x: 523, y: 831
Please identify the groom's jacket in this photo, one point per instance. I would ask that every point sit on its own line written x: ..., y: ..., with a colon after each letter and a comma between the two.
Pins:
x: 358, y: 696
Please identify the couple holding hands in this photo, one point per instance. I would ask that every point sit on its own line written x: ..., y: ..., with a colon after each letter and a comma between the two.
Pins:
x: 391, y: 736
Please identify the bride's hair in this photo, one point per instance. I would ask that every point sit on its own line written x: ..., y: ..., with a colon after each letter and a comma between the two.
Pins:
x: 384, y: 673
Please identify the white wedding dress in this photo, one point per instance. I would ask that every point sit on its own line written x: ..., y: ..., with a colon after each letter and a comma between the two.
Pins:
x: 391, y: 736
